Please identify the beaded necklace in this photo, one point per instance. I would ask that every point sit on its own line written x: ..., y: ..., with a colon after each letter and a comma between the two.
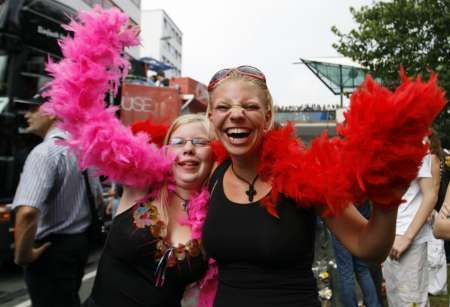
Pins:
x: 146, y: 215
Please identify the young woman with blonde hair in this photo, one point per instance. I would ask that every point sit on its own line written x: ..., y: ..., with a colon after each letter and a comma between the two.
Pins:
x: 266, y: 193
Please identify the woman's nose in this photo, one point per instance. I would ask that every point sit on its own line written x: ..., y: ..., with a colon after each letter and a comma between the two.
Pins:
x: 237, y: 111
x: 188, y: 147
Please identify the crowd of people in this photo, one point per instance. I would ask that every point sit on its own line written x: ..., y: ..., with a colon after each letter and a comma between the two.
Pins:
x: 224, y: 213
x: 307, y: 108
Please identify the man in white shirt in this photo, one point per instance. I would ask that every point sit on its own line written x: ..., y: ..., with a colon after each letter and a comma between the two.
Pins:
x: 405, y: 270
x: 52, y: 216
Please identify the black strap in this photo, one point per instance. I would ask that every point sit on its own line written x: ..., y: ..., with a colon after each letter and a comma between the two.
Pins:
x: 95, y: 225
x: 91, y: 199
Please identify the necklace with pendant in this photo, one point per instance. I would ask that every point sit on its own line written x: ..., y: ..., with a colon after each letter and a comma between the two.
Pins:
x: 185, y: 202
x: 251, y: 192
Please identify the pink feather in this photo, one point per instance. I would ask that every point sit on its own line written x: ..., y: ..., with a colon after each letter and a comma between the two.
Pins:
x: 208, y: 285
x: 93, y: 64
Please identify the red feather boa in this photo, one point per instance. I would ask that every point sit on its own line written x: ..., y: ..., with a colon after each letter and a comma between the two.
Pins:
x: 376, y: 155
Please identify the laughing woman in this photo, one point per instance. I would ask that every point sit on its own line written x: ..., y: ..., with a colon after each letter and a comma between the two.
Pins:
x: 268, y: 189
x: 151, y: 255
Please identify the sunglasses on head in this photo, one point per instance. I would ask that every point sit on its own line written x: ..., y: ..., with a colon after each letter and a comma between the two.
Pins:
x: 245, y: 70
x: 198, y: 142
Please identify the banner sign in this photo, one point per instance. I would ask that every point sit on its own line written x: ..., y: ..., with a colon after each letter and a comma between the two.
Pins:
x: 141, y: 102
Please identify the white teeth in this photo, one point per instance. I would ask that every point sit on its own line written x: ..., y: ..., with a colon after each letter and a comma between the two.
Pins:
x: 237, y: 130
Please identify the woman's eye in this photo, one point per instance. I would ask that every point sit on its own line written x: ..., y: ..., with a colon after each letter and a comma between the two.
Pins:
x: 251, y: 107
x: 222, y: 107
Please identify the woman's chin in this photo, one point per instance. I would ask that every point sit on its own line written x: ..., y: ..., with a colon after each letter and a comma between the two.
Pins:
x: 188, y: 181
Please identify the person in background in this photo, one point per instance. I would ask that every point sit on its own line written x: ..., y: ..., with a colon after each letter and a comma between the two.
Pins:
x: 441, y: 220
x: 437, y: 264
x: 161, y: 79
x: 406, y: 270
x: 52, y: 216
x: 114, y: 194
x: 349, y: 265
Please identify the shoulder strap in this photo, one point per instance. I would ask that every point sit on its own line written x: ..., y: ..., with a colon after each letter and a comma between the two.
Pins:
x: 90, y: 195
x: 91, y: 198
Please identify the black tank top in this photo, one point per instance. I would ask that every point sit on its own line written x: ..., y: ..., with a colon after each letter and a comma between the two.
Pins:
x: 262, y: 260
x: 126, y: 271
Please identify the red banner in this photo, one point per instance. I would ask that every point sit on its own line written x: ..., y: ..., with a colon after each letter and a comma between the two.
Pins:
x: 141, y: 102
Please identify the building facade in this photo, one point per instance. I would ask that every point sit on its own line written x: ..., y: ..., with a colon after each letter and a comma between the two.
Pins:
x: 130, y: 7
x: 161, y: 40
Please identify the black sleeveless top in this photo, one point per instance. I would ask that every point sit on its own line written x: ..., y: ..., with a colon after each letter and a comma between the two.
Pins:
x: 126, y: 271
x: 262, y: 260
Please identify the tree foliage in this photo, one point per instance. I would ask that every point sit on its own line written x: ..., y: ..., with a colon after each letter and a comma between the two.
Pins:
x: 412, y: 33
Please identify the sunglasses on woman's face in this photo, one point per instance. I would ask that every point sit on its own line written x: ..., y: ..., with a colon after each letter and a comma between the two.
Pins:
x: 198, y: 142
x: 245, y: 70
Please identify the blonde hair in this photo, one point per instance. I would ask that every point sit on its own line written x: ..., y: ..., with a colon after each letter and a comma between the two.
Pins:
x: 236, y: 75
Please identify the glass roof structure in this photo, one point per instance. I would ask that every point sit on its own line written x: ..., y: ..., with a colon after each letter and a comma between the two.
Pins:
x: 340, y: 75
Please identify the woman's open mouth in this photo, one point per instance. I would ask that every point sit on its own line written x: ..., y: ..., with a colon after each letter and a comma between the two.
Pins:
x: 238, y: 135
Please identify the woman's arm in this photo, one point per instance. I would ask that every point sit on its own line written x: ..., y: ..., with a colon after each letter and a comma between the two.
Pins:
x: 129, y: 197
x: 371, y: 239
x: 441, y: 226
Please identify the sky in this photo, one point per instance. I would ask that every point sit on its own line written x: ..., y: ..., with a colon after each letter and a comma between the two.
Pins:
x: 268, y: 34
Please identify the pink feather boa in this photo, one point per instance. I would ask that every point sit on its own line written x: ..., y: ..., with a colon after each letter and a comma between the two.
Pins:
x: 93, y: 64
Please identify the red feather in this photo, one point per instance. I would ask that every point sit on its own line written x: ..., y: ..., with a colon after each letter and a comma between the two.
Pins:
x: 157, y: 132
x: 220, y: 154
x: 376, y: 156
